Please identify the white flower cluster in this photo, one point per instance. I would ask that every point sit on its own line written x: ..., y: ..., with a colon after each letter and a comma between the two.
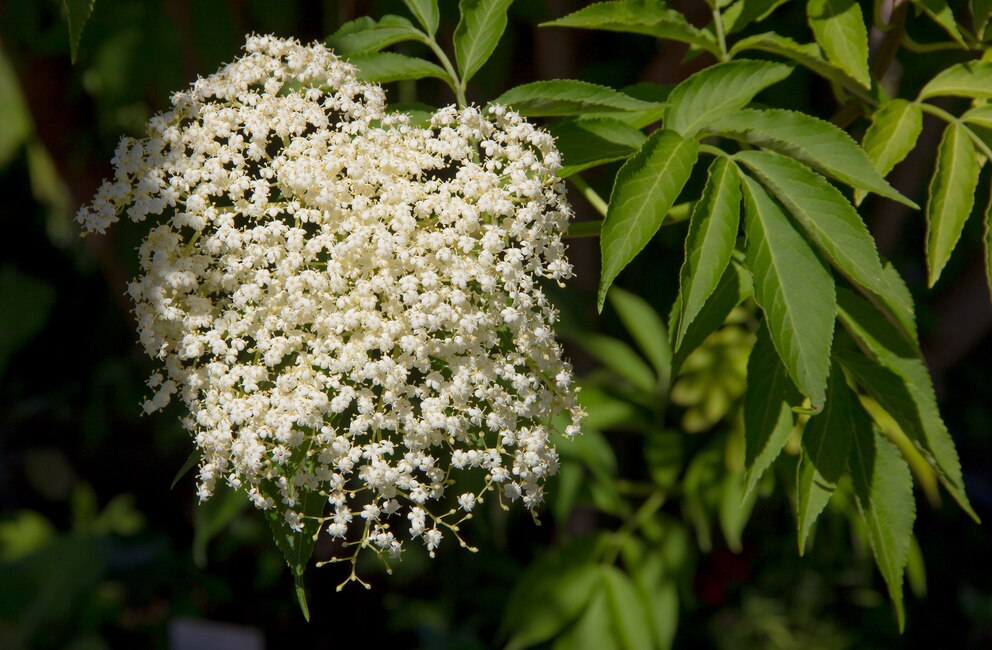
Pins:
x: 349, y: 305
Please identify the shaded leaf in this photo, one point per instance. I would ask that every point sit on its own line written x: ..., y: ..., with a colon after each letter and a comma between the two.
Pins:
x: 898, y: 379
x: 627, y: 611
x: 735, y: 287
x: 77, y: 13
x: 981, y: 11
x: 734, y: 509
x: 14, y: 113
x: 568, y: 97
x: 826, y: 442
x: 969, y: 79
x: 741, y: 14
x: 661, y: 599
x: 709, y: 243
x: 552, y: 593
x: 426, y: 13
x: 646, y: 328
x: 894, y: 129
x: 384, y: 67
x: 645, y: 189
x: 941, y: 14
x: 588, y: 143
x: 768, y: 402
x: 190, y: 463
x: 980, y: 115
x: 593, y: 631
x: 648, y: 17
x: 794, y: 289
x: 812, y: 141
x: 619, y: 357
x: 840, y: 30
x: 478, y: 32
x: 951, y: 197
x: 27, y: 306
x: 883, y: 488
x: 718, y: 90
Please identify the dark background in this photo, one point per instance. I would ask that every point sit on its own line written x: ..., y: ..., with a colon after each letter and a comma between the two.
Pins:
x: 96, y: 551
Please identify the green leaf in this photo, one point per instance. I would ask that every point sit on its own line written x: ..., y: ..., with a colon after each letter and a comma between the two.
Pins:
x: 831, y: 223
x: 589, y: 143
x: 364, y: 36
x: 27, y: 307
x: 661, y: 598
x: 593, y: 631
x: 979, y: 116
x: 296, y: 546
x: 951, y: 197
x: 77, y: 13
x: 718, y: 90
x: 826, y: 441
x: 420, y: 114
x: 194, y: 458
x: 941, y: 13
x: 807, y: 55
x: 734, y: 509
x: 568, y: 97
x: 426, y: 13
x: 645, y: 188
x: 768, y: 402
x: 969, y: 79
x: 14, y: 113
x: 478, y: 32
x: 840, y: 30
x: 619, y: 357
x: 894, y: 129
x: 384, y: 67
x: 981, y: 11
x: 898, y: 379
x: 734, y: 288
x: 812, y: 141
x: 741, y: 14
x: 883, y: 488
x: 552, y: 593
x: 626, y: 610
x: 709, y: 243
x: 648, y: 17
x: 646, y: 328
x: 794, y: 289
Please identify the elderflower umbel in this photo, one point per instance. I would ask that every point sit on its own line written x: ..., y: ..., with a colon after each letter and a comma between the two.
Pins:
x: 348, y: 305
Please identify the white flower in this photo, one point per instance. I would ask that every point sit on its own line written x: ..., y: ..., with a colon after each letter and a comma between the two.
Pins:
x: 345, y: 303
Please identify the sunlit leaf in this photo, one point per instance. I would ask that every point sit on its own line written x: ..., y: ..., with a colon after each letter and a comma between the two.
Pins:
x: 568, y: 97
x: 894, y: 129
x: 794, y: 288
x: 645, y: 189
x: 709, y: 243
x: 648, y: 17
x: 951, y: 197
x: 816, y: 143
x: 969, y: 79
x: 718, y: 90
x: 363, y: 35
x: 384, y: 67
x: 840, y: 30
x: 478, y: 32
x: 426, y: 12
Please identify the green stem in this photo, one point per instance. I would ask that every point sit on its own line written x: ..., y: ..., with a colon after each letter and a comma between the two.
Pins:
x: 456, y: 84
x: 584, y: 229
x: 914, y: 46
x: 595, y: 200
x: 950, y: 119
x: 718, y: 27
